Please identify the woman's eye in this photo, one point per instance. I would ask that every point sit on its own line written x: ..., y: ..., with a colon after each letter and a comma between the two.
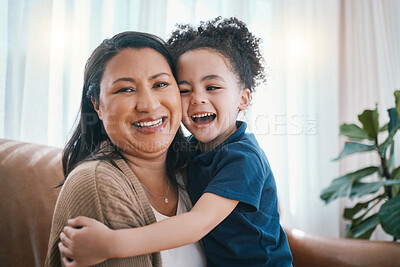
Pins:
x: 160, y: 85
x: 126, y: 90
x: 211, y: 88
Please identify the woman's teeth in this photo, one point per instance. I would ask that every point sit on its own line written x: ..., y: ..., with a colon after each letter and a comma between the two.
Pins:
x: 154, y: 123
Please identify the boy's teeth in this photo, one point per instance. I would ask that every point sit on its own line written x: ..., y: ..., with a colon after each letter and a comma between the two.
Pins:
x: 203, y: 118
x: 148, y: 123
x: 202, y: 115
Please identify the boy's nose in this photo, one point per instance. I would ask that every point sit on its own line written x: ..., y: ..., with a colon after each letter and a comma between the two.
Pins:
x: 198, y: 98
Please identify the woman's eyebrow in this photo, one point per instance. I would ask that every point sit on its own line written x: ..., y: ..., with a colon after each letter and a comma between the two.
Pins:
x: 158, y: 75
x: 124, y: 80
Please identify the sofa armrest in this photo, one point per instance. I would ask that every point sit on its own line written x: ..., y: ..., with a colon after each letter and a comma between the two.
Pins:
x: 29, y: 174
x: 314, y: 250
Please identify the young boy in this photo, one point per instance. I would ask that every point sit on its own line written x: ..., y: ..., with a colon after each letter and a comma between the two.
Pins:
x: 229, y: 177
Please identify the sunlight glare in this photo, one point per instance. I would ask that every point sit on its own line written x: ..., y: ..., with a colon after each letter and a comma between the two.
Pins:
x: 298, y: 47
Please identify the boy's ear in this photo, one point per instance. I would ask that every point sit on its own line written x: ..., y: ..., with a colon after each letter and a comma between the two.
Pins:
x: 96, y: 107
x: 244, y: 100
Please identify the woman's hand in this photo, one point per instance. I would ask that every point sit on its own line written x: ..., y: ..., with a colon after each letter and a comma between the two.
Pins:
x: 85, y: 242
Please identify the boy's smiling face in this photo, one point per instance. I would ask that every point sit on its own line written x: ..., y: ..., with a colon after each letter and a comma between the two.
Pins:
x: 211, y: 96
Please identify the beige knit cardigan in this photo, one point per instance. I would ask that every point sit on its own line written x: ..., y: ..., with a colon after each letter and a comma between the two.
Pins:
x: 99, y: 190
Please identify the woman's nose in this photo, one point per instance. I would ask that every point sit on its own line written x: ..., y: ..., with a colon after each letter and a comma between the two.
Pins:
x: 147, y: 101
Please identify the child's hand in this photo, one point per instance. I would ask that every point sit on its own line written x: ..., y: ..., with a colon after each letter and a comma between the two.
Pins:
x: 85, y: 242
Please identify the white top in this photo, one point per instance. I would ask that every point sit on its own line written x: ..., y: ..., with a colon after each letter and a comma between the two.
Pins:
x: 190, y: 255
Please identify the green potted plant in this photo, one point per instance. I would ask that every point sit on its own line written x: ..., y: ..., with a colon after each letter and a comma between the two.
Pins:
x: 382, y: 192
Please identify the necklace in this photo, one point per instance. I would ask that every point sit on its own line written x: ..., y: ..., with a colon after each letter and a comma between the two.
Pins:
x: 164, y: 196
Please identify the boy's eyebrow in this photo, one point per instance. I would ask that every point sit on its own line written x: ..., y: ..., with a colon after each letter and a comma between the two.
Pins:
x: 183, y: 82
x: 212, y: 77
x: 205, y: 78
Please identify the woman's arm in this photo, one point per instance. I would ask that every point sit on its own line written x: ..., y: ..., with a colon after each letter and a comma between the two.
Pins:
x: 176, y: 231
x: 94, y: 190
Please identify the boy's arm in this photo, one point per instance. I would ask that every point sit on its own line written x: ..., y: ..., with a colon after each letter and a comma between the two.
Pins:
x: 173, y: 232
x: 187, y: 228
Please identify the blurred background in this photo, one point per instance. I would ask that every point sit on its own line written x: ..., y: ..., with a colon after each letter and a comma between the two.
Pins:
x: 326, y: 62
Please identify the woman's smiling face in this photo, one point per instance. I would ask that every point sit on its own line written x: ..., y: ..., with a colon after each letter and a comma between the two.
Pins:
x: 139, y: 102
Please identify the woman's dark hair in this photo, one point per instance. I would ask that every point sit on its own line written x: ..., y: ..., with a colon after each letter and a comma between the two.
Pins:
x: 89, y: 133
x: 229, y: 37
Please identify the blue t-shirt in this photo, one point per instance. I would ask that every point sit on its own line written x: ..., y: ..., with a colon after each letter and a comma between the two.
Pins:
x: 238, y: 169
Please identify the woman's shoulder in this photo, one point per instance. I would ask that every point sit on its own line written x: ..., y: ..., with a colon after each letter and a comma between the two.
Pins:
x: 93, y: 167
x: 103, y: 181
x: 94, y: 173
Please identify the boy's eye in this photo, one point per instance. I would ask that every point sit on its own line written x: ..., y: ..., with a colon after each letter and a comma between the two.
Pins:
x: 183, y: 91
x: 211, y: 88
x: 126, y: 90
x: 160, y: 85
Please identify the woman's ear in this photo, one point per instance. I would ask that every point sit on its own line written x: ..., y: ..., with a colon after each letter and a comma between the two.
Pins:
x: 244, y: 100
x: 96, y: 107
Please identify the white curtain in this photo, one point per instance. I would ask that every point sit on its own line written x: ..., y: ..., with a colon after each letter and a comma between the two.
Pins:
x: 326, y: 61
x: 295, y: 117
x: 369, y: 71
x: 45, y: 44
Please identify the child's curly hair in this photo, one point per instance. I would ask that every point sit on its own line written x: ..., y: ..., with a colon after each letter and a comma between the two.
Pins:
x: 229, y: 37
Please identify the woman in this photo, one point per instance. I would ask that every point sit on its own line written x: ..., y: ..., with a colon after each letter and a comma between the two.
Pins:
x: 125, y: 156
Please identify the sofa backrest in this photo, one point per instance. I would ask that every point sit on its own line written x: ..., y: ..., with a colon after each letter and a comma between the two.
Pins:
x: 29, y: 174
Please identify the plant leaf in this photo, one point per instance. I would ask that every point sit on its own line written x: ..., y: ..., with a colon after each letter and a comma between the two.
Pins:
x: 370, y: 122
x: 395, y: 190
x: 393, y: 118
x: 353, y: 132
x: 395, y: 175
x: 389, y: 139
x: 350, y: 212
x: 369, y: 224
x: 391, y: 156
x: 354, y: 147
x: 347, y: 231
x: 367, y: 234
x: 389, y: 216
x: 348, y: 234
x: 359, y: 189
x: 341, y: 186
x: 397, y: 101
x: 384, y: 128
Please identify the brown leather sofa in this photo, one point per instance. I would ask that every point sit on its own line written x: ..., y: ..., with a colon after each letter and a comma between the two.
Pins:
x: 29, y: 174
